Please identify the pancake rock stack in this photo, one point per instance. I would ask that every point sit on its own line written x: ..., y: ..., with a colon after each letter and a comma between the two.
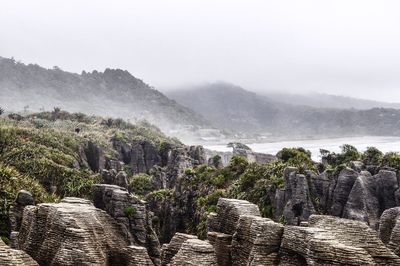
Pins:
x: 74, y: 232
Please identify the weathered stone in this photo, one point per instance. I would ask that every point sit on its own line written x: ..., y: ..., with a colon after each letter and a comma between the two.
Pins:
x: 121, y: 179
x: 171, y: 249
x: 13, y: 257
x: 195, y: 252
x: 256, y: 241
x: 389, y: 229
x: 74, y: 232
x: 222, y: 246
x: 334, y: 241
x: 229, y: 212
x: 131, y: 214
x: 24, y: 198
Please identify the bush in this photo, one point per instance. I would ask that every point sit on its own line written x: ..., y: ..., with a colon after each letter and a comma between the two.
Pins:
x: 11, y: 182
x: 141, y: 184
x: 391, y: 159
x: 130, y: 210
x: 372, y: 156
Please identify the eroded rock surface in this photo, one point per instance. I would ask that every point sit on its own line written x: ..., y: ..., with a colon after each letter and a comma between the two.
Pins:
x: 131, y: 214
x: 356, y: 195
x: 334, y: 241
x: 171, y: 249
x: 195, y: 252
x: 13, y: 257
x: 74, y: 232
x: 389, y: 229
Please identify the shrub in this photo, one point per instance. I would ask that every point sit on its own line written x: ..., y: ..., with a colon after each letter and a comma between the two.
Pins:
x: 141, y: 184
x: 391, y: 159
x: 372, y: 156
x: 130, y: 210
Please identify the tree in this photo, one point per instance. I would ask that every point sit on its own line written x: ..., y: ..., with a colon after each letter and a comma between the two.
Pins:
x: 1, y: 111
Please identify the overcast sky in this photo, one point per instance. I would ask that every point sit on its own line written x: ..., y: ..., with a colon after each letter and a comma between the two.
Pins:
x: 342, y: 47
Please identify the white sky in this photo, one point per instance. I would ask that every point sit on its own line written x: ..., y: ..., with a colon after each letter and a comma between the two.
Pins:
x: 349, y: 47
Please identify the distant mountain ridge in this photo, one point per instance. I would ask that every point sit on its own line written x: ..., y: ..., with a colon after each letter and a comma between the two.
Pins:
x: 323, y: 100
x: 114, y: 92
x: 238, y: 110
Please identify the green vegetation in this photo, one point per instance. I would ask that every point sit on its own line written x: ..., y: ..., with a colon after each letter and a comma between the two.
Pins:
x: 44, y: 154
x: 141, y: 184
x: 12, y: 181
x: 130, y: 210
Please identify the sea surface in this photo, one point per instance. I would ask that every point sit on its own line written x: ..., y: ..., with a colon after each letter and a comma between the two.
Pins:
x: 383, y: 143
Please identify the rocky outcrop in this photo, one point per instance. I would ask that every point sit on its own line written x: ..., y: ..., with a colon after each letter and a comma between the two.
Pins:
x: 13, y: 257
x: 351, y: 194
x: 195, y: 252
x: 74, y: 232
x: 131, y: 215
x: 228, y: 214
x: 295, y: 202
x: 171, y: 249
x: 113, y: 177
x: 389, y: 229
x: 94, y: 156
x: 240, y: 236
x: 254, y: 241
x: 334, y: 241
x: 23, y: 199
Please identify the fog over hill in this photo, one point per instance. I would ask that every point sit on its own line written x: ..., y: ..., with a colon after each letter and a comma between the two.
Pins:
x: 236, y: 109
x: 114, y: 93
x: 322, y: 100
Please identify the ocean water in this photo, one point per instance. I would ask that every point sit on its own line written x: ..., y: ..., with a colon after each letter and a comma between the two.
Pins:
x: 383, y: 143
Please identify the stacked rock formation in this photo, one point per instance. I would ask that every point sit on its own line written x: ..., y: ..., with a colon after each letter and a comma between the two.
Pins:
x: 354, y: 194
x: 13, y: 257
x: 195, y: 252
x: 74, y: 232
x: 131, y: 214
x: 241, y: 236
x: 389, y: 229
x: 334, y: 241
x: 170, y: 250
x: 323, y: 240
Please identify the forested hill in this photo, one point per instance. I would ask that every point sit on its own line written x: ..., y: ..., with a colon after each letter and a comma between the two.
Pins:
x: 237, y: 109
x: 114, y: 92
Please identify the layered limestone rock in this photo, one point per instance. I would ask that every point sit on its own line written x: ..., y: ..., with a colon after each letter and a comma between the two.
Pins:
x: 195, y: 252
x: 240, y: 236
x: 131, y: 215
x: 13, y: 257
x: 389, y: 229
x: 171, y: 249
x: 74, y: 232
x: 354, y: 195
x: 228, y: 214
x: 256, y: 241
x: 334, y: 241
x: 245, y: 238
